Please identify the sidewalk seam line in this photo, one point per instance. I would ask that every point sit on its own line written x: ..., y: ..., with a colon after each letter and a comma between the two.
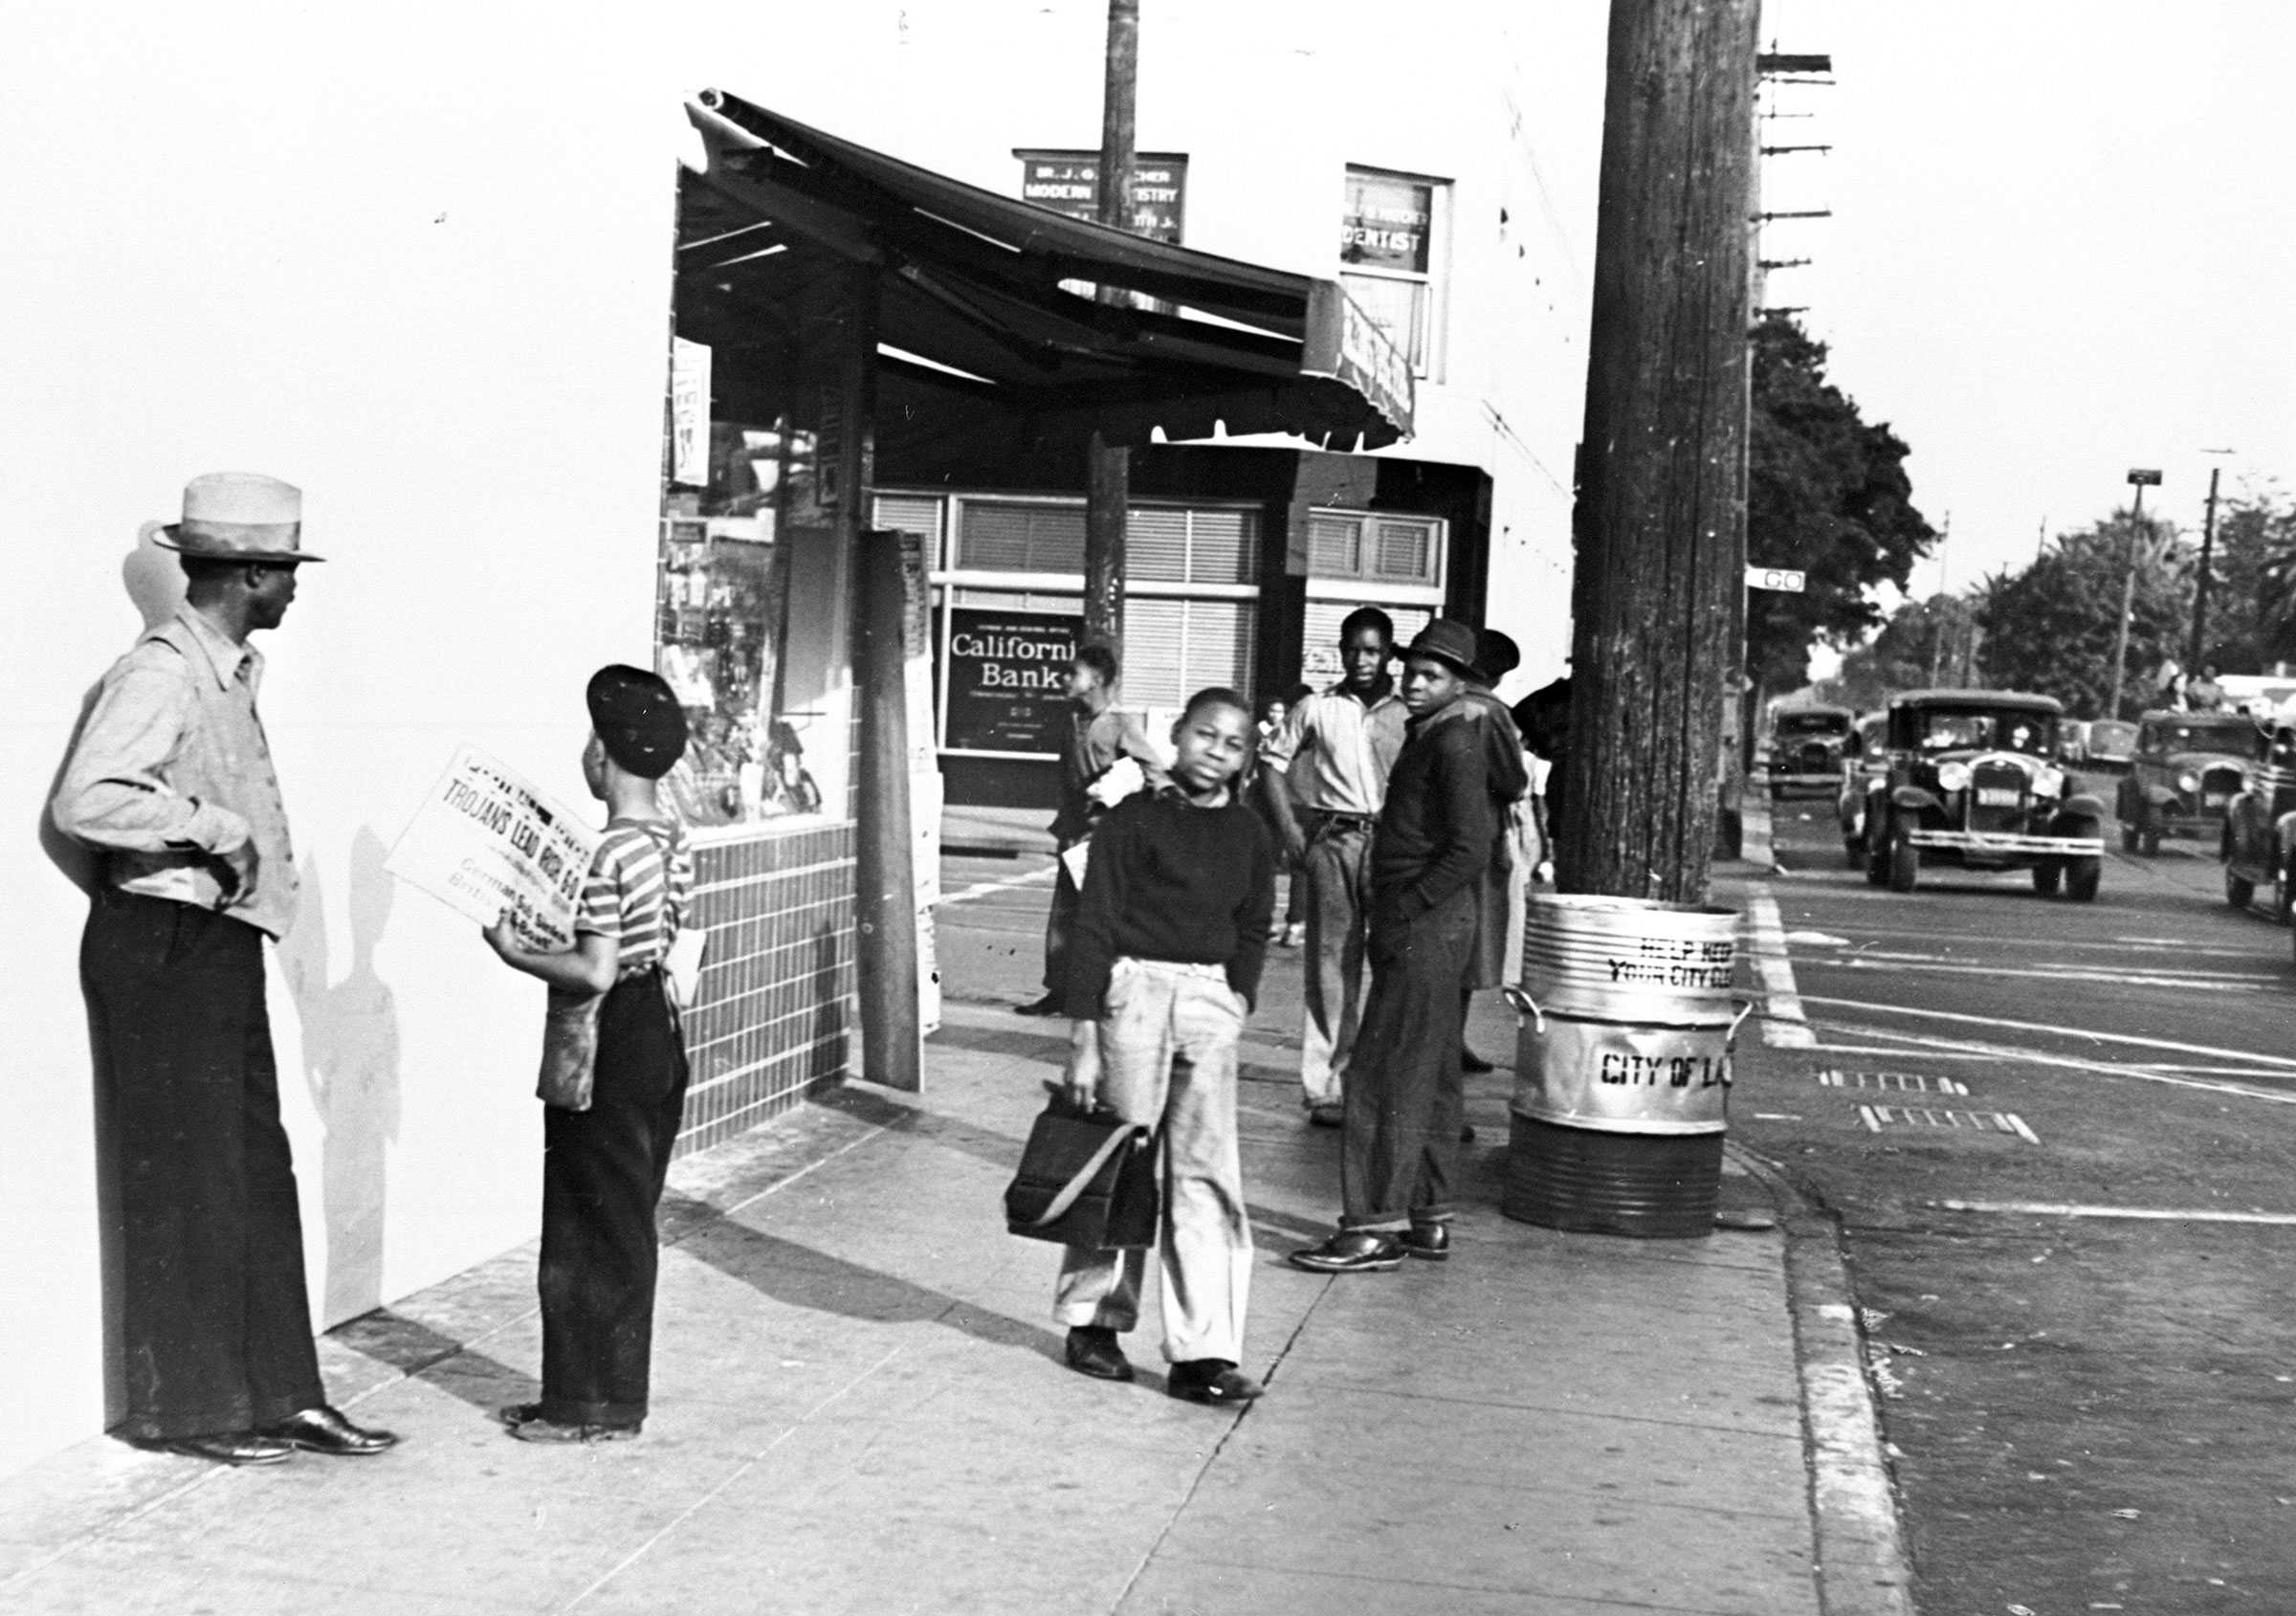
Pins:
x: 1218, y: 1448
x: 734, y: 1474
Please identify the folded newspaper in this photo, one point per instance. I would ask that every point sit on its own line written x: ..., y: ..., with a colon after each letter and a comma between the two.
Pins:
x: 491, y: 845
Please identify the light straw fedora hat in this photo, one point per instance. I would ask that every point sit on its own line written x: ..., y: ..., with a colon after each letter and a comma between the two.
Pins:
x: 239, y: 516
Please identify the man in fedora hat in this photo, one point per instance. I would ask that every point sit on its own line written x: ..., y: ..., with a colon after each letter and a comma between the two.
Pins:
x: 1405, y: 1101
x: 169, y: 782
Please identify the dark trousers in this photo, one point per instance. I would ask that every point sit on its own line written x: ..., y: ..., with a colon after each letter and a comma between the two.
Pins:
x: 1059, y: 922
x: 603, y: 1171
x: 207, y: 1325
x: 1406, y: 1099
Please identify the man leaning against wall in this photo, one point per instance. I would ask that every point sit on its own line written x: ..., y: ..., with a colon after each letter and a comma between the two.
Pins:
x: 170, y: 782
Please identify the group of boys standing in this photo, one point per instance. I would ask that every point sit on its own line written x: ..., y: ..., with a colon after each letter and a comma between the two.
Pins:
x: 1396, y: 800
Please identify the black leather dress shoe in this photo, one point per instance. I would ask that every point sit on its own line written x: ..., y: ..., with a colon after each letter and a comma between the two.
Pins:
x: 1471, y: 1062
x: 1210, y: 1380
x: 1431, y: 1241
x: 1352, y: 1251
x: 231, y: 1447
x: 324, y: 1430
x: 1093, y: 1350
x: 1048, y: 1005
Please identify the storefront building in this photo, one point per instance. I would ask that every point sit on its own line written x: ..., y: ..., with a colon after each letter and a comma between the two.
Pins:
x: 546, y: 417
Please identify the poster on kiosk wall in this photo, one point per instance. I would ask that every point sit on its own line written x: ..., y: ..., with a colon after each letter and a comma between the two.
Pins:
x: 1008, y: 679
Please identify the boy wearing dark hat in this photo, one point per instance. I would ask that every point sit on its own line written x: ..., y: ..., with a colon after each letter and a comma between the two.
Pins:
x: 603, y: 1166
x: 1406, y: 1099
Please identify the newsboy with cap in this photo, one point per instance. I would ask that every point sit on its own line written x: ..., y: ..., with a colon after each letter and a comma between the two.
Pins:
x: 608, y: 1131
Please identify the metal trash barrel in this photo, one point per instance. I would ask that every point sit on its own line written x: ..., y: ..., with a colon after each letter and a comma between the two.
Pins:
x: 1625, y: 1051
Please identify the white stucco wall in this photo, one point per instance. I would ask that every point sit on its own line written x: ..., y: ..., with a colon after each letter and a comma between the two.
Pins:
x: 415, y: 259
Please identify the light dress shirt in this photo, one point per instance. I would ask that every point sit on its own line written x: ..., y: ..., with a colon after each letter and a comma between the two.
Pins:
x: 1350, y: 750
x: 172, y: 770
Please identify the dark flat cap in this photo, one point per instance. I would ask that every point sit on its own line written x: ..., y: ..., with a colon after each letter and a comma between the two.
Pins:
x: 637, y: 719
x: 1447, y: 641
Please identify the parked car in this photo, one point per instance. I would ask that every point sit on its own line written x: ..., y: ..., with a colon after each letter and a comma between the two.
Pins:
x: 2111, y: 743
x: 1973, y: 783
x: 2259, y: 838
x: 2186, y: 770
x: 1806, y: 744
x: 1861, y: 765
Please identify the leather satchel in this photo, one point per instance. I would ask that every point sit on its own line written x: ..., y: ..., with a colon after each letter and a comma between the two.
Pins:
x: 569, y: 1049
x: 1087, y: 1178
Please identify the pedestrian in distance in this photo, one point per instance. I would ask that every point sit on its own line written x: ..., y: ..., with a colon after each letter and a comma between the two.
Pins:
x: 1093, y: 776
x: 1165, y: 970
x: 604, y: 1168
x: 171, y: 785
x: 1405, y: 1097
x: 1290, y: 930
x: 1323, y: 783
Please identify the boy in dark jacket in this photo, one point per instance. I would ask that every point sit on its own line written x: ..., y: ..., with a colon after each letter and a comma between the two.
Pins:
x: 1164, y: 967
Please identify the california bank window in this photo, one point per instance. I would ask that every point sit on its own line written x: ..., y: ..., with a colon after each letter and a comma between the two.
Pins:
x: 1390, y: 252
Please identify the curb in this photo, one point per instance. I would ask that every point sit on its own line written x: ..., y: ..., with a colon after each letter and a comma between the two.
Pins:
x: 1861, y: 1567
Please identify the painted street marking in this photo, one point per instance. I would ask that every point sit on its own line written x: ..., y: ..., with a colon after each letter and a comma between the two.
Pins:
x: 1892, y: 1049
x: 2118, y: 979
x: 1816, y: 940
x: 1876, y: 1118
x: 1931, y: 1044
x: 1864, y: 955
x: 2153, y: 1214
x: 1786, y: 1026
x: 2285, y: 1062
x: 1838, y: 1079
x: 983, y: 889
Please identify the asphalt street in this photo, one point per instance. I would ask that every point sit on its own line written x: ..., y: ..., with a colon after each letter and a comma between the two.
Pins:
x: 2061, y: 1140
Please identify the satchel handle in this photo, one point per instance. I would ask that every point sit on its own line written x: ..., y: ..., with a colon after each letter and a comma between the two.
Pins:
x: 1075, y: 1187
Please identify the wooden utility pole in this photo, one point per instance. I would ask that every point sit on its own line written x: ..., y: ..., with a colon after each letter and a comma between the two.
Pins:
x: 1661, y: 510
x: 2141, y: 478
x: 1108, y: 467
x: 2208, y: 544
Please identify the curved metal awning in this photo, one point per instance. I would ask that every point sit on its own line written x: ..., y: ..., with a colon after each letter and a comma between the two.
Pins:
x: 986, y: 300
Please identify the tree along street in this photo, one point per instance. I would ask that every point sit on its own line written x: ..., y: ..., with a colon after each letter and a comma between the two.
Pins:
x: 2087, y: 1409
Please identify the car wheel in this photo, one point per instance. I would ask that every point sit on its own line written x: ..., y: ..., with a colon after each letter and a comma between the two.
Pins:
x: 1904, y: 860
x: 2239, y: 892
x: 2081, y: 877
x: 2045, y: 876
x: 1876, y: 853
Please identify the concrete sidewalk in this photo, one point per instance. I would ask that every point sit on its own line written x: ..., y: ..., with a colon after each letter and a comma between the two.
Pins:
x: 860, y: 1407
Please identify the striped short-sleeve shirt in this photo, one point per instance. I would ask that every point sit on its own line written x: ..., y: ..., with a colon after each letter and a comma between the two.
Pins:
x: 638, y: 890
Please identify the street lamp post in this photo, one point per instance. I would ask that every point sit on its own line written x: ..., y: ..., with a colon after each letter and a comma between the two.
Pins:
x: 2142, y: 479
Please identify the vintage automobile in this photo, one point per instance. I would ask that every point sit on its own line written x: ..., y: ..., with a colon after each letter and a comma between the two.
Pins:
x: 2259, y: 846
x: 2187, y: 767
x: 1973, y: 783
x: 1867, y: 762
x: 1806, y: 744
x: 2110, y: 744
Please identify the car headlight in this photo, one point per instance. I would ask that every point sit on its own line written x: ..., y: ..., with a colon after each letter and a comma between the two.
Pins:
x: 2048, y: 783
x: 2188, y: 782
x: 1953, y: 776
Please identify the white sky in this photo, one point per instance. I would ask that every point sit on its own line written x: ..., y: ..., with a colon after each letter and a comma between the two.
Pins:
x: 2063, y: 245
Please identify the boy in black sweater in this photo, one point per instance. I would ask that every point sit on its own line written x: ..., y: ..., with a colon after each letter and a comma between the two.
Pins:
x: 1164, y: 967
